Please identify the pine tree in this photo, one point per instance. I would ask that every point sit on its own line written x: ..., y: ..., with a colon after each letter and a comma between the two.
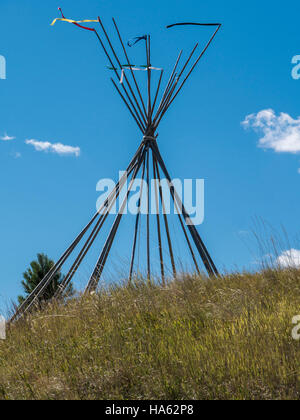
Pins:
x: 35, y: 274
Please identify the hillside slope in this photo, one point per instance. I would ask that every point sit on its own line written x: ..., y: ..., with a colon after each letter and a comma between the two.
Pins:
x: 229, y: 338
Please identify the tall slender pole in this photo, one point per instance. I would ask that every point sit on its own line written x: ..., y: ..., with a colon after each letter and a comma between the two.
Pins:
x: 165, y: 103
x: 164, y: 106
x: 149, y: 78
x: 125, y: 76
x: 169, y: 83
x: 141, y: 127
x: 132, y: 72
x: 95, y: 277
x: 38, y: 291
x: 206, y: 258
x: 118, y: 76
x: 194, y: 66
x: 91, y: 239
x: 148, y: 219
x: 158, y: 225
x: 165, y: 220
x: 137, y: 223
x: 157, y: 92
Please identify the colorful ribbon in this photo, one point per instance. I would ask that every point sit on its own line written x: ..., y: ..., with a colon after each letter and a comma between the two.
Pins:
x: 135, y: 40
x: 75, y: 22
x: 137, y: 69
x: 193, y: 23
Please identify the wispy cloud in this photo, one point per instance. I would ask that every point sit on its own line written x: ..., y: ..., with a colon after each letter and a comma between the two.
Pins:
x: 290, y: 258
x: 6, y: 137
x: 58, y: 148
x: 280, y: 132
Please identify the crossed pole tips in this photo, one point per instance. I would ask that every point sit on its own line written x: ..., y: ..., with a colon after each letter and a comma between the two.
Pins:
x: 147, y: 112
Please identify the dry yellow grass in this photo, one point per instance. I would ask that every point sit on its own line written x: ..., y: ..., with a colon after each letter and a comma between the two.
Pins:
x: 230, y: 338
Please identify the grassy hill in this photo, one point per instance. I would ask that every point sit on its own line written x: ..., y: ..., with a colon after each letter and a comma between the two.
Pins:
x: 230, y: 338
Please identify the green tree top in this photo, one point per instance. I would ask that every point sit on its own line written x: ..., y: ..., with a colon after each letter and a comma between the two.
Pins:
x: 35, y: 274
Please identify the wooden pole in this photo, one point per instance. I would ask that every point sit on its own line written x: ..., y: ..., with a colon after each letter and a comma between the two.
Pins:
x: 148, y: 220
x: 207, y: 260
x: 158, y: 226
x: 137, y: 223
x: 125, y: 76
x: 95, y: 277
x: 110, y: 202
x: 132, y: 72
x: 165, y: 220
x: 194, y: 66
x: 141, y: 127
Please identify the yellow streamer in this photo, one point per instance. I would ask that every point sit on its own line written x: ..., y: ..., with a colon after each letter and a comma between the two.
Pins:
x: 73, y: 21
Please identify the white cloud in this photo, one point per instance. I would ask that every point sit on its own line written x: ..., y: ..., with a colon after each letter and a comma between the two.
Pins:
x: 280, y: 132
x: 59, y: 148
x: 289, y: 258
x: 6, y: 138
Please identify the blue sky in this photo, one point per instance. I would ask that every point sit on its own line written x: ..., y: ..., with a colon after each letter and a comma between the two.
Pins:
x: 58, y: 91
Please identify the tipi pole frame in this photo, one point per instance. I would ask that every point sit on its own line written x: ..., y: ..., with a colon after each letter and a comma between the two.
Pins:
x: 94, y: 234
x: 207, y: 261
x: 138, y: 216
x: 165, y: 104
x: 165, y: 220
x: 157, y: 92
x: 167, y: 90
x: 37, y: 292
x: 149, y: 80
x: 148, y: 219
x: 164, y: 109
x: 194, y: 66
x: 31, y: 299
x: 136, y: 117
x: 148, y: 126
x: 128, y: 61
x: 142, y: 128
x: 168, y: 84
x: 125, y: 76
x: 161, y: 258
x: 96, y: 275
